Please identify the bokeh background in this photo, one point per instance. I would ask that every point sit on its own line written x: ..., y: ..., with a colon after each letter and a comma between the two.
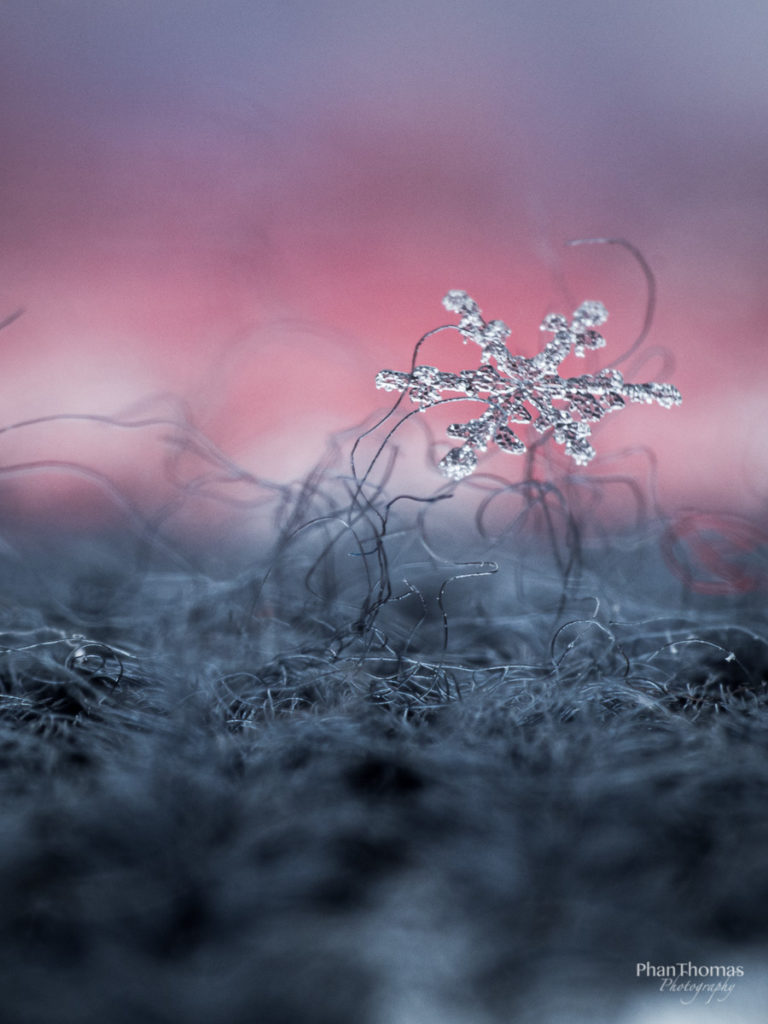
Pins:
x: 241, y: 211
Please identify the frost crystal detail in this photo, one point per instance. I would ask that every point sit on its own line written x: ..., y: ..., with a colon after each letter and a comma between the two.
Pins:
x: 521, y: 390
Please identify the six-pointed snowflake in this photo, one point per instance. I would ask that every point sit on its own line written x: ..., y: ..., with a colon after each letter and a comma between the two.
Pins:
x: 521, y: 390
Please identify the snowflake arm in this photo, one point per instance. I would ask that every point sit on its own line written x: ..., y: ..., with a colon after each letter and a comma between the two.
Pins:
x: 521, y: 390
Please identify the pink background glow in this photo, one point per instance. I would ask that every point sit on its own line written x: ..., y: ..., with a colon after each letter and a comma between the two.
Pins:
x: 253, y: 207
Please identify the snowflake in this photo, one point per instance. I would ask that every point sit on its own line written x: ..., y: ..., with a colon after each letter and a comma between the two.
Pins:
x: 521, y: 390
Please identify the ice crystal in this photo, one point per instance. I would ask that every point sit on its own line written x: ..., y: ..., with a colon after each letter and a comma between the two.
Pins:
x: 521, y: 390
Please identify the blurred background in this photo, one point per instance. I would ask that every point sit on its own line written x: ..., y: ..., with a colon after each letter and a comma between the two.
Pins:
x: 238, y: 212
